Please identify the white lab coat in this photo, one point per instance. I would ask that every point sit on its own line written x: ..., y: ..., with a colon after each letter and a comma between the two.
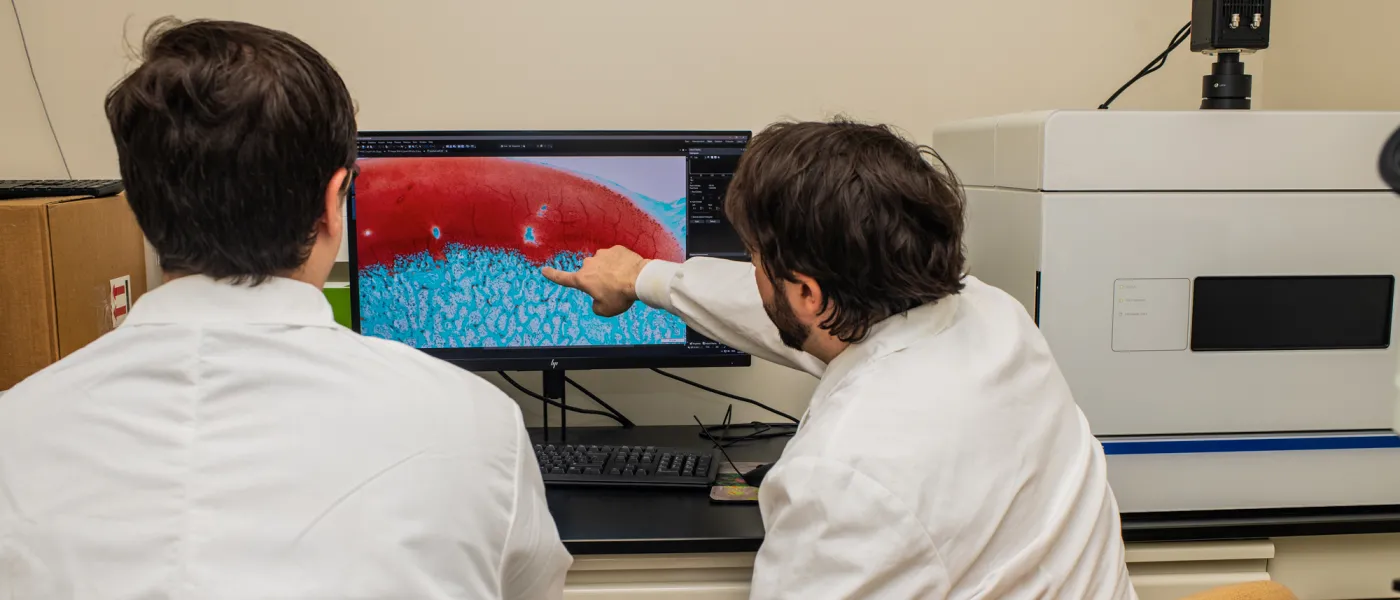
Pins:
x: 235, y: 442
x: 942, y: 457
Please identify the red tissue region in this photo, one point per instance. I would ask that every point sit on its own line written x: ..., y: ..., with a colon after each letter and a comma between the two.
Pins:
x: 404, y: 206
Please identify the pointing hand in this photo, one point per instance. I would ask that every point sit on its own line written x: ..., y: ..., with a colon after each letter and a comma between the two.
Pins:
x: 609, y: 277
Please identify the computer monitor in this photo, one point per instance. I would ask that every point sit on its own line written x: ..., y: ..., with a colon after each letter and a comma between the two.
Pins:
x: 451, y: 229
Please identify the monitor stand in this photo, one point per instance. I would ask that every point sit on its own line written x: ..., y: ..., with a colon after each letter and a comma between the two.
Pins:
x: 554, y: 384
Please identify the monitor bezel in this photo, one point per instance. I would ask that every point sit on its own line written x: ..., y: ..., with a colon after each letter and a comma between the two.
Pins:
x: 539, y: 363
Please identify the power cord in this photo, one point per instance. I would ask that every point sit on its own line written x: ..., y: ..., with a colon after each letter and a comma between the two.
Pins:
x: 1152, y: 67
x: 728, y: 395
x: 627, y: 423
x: 610, y: 413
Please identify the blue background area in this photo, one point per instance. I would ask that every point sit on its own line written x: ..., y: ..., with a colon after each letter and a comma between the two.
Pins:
x: 491, y: 298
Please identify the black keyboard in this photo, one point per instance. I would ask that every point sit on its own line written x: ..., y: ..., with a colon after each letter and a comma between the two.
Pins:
x: 626, y: 466
x: 11, y: 189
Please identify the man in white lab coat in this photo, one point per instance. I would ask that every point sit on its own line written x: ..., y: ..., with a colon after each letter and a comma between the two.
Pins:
x: 230, y: 440
x: 942, y: 455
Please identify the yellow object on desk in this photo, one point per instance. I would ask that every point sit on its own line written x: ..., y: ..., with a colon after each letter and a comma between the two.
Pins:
x: 730, y: 486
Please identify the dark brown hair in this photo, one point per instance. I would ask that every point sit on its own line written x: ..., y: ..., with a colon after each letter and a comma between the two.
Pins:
x: 857, y: 208
x: 228, y: 134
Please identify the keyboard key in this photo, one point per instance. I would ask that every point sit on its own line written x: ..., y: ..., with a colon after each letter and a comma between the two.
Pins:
x: 575, y: 471
x: 641, y: 472
x: 615, y: 471
x: 629, y: 469
x: 651, y: 448
x: 592, y: 448
x: 556, y: 471
x: 592, y: 471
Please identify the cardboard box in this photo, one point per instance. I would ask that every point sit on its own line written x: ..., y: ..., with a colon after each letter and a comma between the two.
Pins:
x: 70, y: 268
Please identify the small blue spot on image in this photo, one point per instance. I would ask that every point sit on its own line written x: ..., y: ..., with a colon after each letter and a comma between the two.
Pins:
x: 437, y: 233
x: 543, y: 208
x: 530, y: 236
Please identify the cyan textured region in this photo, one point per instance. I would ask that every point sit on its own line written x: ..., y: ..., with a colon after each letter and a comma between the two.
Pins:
x: 495, y: 298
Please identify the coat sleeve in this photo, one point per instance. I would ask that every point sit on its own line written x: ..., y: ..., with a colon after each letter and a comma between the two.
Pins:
x: 719, y: 298
x: 535, y: 562
x: 834, y: 533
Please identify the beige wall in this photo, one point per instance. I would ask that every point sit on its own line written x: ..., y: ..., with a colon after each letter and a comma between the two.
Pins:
x: 27, y: 148
x: 476, y: 64
x: 1335, y: 54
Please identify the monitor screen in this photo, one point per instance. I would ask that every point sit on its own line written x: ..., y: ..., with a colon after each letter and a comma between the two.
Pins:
x: 451, y: 230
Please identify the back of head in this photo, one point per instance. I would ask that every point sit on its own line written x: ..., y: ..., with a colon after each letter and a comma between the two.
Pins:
x: 858, y: 209
x: 228, y: 135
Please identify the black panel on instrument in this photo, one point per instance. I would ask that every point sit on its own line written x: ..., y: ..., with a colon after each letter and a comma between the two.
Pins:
x: 1322, y: 312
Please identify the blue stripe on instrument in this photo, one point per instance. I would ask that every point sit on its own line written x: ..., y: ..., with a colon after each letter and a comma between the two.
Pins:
x: 1209, y: 445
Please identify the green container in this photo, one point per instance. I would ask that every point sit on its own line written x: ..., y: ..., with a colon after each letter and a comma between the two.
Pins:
x: 339, y: 296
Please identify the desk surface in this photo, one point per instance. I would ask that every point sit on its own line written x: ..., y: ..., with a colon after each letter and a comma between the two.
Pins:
x: 608, y: 521
x: 612, y: 521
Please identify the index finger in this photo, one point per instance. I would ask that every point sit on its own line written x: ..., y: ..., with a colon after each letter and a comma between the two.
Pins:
x: 564, y: 278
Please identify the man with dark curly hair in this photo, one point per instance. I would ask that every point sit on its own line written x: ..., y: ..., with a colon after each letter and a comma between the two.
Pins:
x: 942, y: 455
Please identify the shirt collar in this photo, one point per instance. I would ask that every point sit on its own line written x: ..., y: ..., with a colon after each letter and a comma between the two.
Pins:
x: 204, y: 300
x: 886, y: 337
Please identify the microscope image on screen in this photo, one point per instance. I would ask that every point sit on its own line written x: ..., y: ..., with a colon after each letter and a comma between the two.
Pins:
x: 450, y: 248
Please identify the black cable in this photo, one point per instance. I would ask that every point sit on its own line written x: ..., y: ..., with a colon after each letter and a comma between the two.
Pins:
x: 728, y: 395
x: 762, y: 431
x: 558, y: 404
x: 24, y: 43
x: 627, y: 423
x: 1157, y: 63
x: 1161, y: 59
x: 705, y: 432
